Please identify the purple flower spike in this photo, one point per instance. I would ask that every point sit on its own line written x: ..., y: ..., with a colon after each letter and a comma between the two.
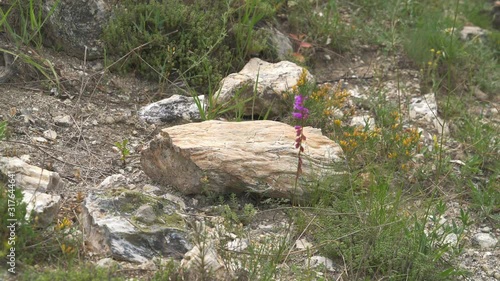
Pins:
x: 300, y: 111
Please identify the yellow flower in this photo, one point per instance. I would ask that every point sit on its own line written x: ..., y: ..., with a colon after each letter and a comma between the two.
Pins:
x: 67, y: 249
x: 407, y: 142
x: 392, y: 155
x: 337, y: 122
x: 302, y: 78
x: 63, y: 224
x: 432, y: 50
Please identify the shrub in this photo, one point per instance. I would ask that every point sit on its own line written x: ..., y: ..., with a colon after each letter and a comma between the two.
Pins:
x: 171, y: 40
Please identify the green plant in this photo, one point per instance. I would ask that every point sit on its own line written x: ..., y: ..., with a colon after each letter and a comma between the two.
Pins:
x: 248, y: 14
x: 486, y: 199
x: 13, y: 210
x: 24, y: 21
x: 3, y: 127
x: 123, y: 149
x: 320, y: 23
x: 183, y: 41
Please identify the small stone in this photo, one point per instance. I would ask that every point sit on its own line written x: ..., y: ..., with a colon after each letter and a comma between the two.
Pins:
x: 497, y: 275
x: 237, y: 245
x: 484, y: 240
x: 316, y: 261
x: 303, y: 244
x: 106, y: 263
x: 451, y: 239
x: 176, y: 107
x: 113, y: 181
x: 40, y: 139
x: 493, y: 111
x: 26, y: 158
x: 146, y: 214
x: 485, y: 229
x: 148, y: 188
x: 480, y: 95
x: 50, y: 134
x: 363, y: 121
x: 175, y: 199
x: 109, y: 120
x: 63, y: 120
x: 472, y: 32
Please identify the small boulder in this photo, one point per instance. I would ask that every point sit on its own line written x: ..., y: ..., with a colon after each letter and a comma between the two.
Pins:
x: 261, y: 85
x: 174, y: 108
x: 113, y: 227
x: 234, y: 157
x: 76, y: 26
x: 484, y: 240
x: 424, y: 111
x: 44, y: 206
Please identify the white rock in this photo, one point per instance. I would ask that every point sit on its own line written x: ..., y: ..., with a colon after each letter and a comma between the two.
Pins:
x: 205, y: 254
x: 451, y: 239
x: 40, y: 139
x: 316, y: 261
x: 44, y: 206
x: 25, y: 157
x: 302, y: 244
x: 363, y: 121
x: 424, y: 111
x: 148, y: 188
x: 30, y: 177
x: 272, y: 79
x: 145, y: 214
x: 484, y: 240
x: 237, y: 244
x: 174, y: 108
x: 107, y: 263
x: 113, y: 181
x: 63, y: 120
x: 471, y: 32
x: 50, y: 134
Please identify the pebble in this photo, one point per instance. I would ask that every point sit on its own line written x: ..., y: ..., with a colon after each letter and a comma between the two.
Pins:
x: 50, y: 134
x: 63, y: 120
x: 316, y: 261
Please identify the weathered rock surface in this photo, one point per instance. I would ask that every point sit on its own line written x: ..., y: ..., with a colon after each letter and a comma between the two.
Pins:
x: 76, y: 25
x: 484, y: 240
x: 113, y: 229
x: 45, y: 206
x: 29, y: 176
x: 253, y: 156
x: 174, y: 108
x: 6, y: 68
x: 472, y: 32
x: 280, y: 44
x: 424, y: 111
x: 272, y: 79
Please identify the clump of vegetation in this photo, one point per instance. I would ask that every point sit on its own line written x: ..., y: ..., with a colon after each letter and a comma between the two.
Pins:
x: 198, y: 43
x: 171, y: 40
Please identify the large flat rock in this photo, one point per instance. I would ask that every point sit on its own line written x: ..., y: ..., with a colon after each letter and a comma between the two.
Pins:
x: 226, y: 157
